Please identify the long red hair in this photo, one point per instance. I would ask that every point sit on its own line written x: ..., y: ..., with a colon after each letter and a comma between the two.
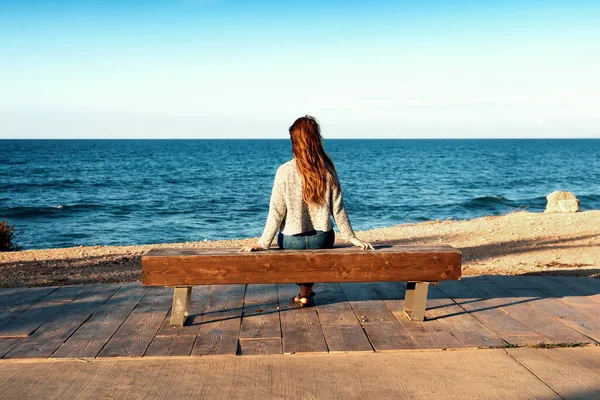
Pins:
x: 312, y: 161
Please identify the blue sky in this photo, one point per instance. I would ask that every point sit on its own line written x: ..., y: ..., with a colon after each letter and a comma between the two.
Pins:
x: 211, y: 68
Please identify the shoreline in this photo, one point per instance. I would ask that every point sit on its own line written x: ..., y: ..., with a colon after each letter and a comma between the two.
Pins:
x: 516, y: 243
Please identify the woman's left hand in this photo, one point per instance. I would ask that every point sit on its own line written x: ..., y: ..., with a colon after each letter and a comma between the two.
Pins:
x: 256, y: 247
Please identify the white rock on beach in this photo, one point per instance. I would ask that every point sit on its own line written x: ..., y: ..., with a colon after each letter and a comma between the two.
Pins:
x: 569, y: 206
x: 564, y: 202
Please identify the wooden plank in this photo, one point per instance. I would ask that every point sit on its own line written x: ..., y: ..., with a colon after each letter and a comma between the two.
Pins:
x: 261, y: 313
x: 336, y: 313
x: 8, y: 294
x: 12, y: 297
x: 552, y: 288
x: 385, y: 337
x: 219, y: 330
x: 588, y: 287
x: 332, y: 306
x: 337, y: 250
x: 170, y: 346
x: 327, y: 288
x: 427, y: 334
x: 224, y: 302
x: 135, y: 334
x: 489, y: 313
x: 512, y: 282
x: 300, y: 327
x: 198, y: 305
x: 341, y: 328
x: 346, y: 338
x: 219, y: 337
x: 519, y: 308
x: 366, y: 304
x: 390, y: 291
x: 17, y: 301
x: 381, y: 327
x: 569, y: 294
x: 47, y: 338
x: 7, y: 344
x: 576, y: 319
x: 174, y: 267
x: 568, y: 315
x: 93, y: 335
x: 259, y: 347
x: 462, y: 325
x: 32, y: 318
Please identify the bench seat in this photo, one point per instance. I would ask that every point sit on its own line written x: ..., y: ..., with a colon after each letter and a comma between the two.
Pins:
x: 417, y: 265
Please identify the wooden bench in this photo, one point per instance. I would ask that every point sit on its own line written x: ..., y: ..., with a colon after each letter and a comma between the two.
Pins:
x: 417, y: 265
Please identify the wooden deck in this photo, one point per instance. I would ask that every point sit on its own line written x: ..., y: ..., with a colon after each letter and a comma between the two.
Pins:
x: 128, y: 320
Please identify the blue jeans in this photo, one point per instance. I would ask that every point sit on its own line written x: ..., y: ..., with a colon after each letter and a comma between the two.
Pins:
x: 312, y: 240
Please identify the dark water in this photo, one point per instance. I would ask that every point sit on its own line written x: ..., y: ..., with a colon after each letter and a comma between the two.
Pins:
x: 62, y: 193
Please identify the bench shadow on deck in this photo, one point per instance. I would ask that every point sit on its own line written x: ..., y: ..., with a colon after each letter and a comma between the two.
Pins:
x: 128, y: 320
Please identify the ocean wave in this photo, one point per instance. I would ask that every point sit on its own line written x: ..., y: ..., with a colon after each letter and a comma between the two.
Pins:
x: 251, y: 209
x: 42, y: 211
x: 589, y: 201
x: 124, y: 209
x: 501, y: 203
x: 589, y: 197
x: 175, y: 212
x: 58, y: 183
x: 13, y: 162
x: 485, y: 202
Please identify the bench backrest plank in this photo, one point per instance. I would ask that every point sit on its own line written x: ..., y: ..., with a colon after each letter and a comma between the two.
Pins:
x: 179, y: 267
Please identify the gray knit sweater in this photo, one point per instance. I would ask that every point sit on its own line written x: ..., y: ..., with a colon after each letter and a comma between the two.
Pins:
x: 291, y: 215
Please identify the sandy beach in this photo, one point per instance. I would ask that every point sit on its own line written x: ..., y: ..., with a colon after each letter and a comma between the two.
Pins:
x: 514, y: 244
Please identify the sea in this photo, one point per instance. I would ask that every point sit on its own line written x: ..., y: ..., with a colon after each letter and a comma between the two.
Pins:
x: 63, y: 193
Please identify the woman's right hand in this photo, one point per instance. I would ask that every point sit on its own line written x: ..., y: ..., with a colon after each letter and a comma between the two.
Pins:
x: 362, y: 244
x: 256, y: 247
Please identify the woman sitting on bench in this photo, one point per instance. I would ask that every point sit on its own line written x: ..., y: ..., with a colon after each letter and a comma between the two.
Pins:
x: 305, y: 194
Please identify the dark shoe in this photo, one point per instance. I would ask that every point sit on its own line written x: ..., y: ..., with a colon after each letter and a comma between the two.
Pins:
x: 304, y: 301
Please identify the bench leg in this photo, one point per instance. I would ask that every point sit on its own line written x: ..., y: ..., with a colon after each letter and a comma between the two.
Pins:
x: 181, y: 305
x: 415, y: 300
